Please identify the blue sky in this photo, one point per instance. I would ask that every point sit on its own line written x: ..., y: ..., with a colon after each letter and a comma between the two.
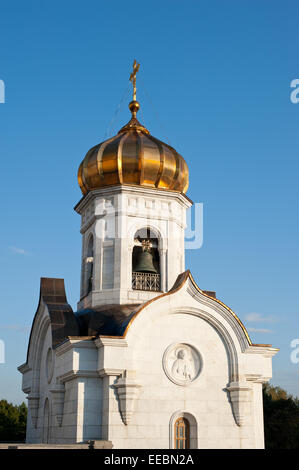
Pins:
x: 214, y: 82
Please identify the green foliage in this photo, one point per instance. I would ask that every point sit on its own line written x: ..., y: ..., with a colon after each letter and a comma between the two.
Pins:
x: 281, y: 419
x: 12, y: 422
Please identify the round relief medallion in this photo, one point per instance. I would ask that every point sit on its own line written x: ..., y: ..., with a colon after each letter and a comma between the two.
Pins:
x: 182, y: 363
x: 49, y: 364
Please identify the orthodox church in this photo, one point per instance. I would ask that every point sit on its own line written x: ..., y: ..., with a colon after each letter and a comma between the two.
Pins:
x: 149, y: 359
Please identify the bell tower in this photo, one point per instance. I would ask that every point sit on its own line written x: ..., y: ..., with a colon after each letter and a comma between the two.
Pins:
x: 133, y: 216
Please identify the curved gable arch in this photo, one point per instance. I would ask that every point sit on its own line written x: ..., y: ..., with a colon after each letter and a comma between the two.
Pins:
x: 185, y: 280
x: 229, y: 328
x: 223, y: 333
x: 40, y: 334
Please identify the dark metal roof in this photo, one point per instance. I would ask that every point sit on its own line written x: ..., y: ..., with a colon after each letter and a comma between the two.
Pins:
x: 110, y: 320
x: 63, y: 320
x: 106, y: 320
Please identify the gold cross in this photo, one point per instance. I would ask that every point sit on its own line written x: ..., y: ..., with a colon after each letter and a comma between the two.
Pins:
x: 133, y: 78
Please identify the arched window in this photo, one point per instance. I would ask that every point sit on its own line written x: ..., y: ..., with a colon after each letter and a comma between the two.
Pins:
x: 89, y: 266
x: 181, y: 434
x: 146, y: 261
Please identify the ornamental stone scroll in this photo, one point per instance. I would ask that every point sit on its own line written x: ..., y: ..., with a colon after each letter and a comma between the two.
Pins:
x: 240, y: 400
x: 128, y: 392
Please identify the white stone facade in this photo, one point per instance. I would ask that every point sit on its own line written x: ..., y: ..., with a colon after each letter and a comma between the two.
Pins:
x: 179, y: 354
x: 110, y: 217
x: 120, y: 389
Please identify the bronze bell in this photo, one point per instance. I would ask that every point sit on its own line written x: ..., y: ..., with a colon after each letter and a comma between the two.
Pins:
x: 144, y: 263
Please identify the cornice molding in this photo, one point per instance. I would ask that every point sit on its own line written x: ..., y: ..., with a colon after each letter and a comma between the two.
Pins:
x: 72, y: 343
x: 85, y: 227
x: 263, y: 350
x: 76, y: 373
x: 24, y: 368
x: 109, y: 371
x: 116, y: 342
x: 257, y: 378
x: 131, y: 189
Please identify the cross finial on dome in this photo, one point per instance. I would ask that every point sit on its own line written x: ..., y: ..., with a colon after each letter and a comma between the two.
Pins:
x: 133, y: 78
x: 134, y: 105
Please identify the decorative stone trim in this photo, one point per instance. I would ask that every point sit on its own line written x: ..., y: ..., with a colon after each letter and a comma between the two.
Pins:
x: 239, y: 396
x: 73, y: 374
x: 257, y: 378
x: 33, y: 404
x: 224, y: 311
x: 74, y: 344
x: 266, y: 351
x: 223, y: 332
x: 107, y: 372
x: 130, y: 189
x: 110, y: 341
x: 128, y: 391
x: 86, y: 225
x: 24, y: 368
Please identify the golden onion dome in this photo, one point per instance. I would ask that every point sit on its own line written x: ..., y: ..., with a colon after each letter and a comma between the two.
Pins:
x: 133, y: 157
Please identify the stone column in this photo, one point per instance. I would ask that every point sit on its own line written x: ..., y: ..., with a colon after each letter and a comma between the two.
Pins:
x: 129, y: 264
x: 97, y: 256
x: 163, y: 269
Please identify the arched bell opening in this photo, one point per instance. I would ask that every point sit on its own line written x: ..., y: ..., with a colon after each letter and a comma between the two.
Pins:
x: 89, y: 266
x: 146, y: 261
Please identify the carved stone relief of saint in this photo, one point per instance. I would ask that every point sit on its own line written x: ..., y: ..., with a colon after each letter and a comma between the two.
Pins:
x: 181, y: 363
x: 183, y: 367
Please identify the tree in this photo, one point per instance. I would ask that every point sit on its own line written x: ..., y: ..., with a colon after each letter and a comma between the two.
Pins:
x: 281, y: 419
x: 12, y: 422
